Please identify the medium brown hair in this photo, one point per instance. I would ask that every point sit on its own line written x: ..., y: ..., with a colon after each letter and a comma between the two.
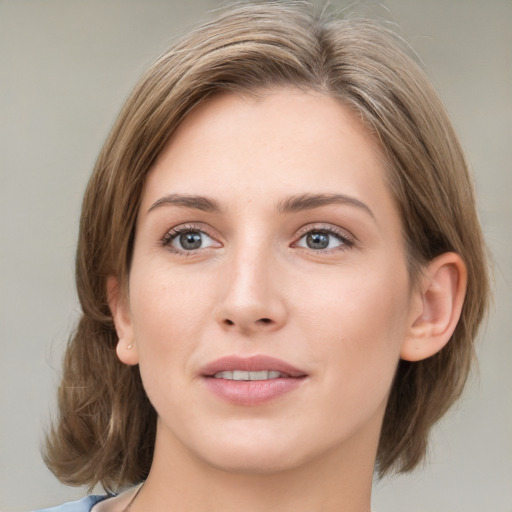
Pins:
x: 106, y: 426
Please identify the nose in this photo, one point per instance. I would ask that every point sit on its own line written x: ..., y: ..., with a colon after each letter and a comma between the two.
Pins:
x: 252, y: 299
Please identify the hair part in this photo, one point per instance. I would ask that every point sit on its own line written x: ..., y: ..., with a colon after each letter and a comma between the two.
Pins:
x: 106, y: 426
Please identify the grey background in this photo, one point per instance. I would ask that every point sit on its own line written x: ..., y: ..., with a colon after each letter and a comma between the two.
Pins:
x: 66, y: 67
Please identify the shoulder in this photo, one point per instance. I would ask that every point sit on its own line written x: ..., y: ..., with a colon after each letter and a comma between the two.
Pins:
x: 83, y: 505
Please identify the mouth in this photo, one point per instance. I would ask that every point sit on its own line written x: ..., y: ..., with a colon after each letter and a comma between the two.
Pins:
x: 259, y: 367
x: 251, y: 380
x: 245, y: 375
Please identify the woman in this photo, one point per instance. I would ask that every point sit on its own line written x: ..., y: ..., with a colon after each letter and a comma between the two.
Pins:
x: 281, y: 273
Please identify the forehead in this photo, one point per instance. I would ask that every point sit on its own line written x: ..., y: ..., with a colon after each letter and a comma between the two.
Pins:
x: 281, y: 141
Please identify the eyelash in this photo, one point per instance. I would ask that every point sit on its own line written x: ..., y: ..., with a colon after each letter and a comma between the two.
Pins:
x: 346, y: 240
x: 175, y: 232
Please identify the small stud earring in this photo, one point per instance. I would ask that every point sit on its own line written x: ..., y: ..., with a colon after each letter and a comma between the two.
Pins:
x: 129, y: 346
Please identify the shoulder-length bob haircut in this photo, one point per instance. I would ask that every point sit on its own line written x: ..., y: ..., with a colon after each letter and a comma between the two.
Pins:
x: 105, y: 430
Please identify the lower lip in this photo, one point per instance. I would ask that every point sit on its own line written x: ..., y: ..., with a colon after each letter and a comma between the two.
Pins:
x: 252, y: 392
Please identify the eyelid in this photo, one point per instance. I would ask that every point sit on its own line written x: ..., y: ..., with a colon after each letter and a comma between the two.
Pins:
x: 345, y: 236
x: 172, y: 233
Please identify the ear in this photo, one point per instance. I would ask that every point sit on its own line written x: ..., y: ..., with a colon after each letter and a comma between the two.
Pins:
x: 119, y: 307
x: 441, y: 296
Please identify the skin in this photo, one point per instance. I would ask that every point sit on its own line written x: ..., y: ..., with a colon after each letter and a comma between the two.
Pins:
x: 344, y: 314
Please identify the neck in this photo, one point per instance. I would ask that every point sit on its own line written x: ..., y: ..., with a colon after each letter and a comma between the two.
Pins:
x: 336, y: 481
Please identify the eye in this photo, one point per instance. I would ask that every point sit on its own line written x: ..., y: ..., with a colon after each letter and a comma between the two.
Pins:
x: 188, y: 239
x: 323, y: 239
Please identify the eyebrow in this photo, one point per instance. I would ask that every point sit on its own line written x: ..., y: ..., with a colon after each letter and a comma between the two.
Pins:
x: 289, y: 205
x: 311, y: 201
x: 202, y: 203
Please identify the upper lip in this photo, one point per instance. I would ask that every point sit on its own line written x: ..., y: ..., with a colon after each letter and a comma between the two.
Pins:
x: 256, y: 363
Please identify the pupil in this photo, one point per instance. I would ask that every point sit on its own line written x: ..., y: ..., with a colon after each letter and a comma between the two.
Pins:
x: 190, y: 240
x: 317, y: 240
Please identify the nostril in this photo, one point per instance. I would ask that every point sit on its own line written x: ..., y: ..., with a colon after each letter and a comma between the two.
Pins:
x: 260, y: 321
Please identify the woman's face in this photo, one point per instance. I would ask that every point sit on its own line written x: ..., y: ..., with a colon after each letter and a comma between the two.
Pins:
x: 269, y: 295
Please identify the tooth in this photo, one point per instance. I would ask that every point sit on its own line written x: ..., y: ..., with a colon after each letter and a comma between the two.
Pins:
x: 246, y: 375
x: 240, y: 375
x: 262, y: 375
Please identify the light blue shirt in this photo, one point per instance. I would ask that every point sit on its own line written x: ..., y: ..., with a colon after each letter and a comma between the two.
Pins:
x: 83, y: 505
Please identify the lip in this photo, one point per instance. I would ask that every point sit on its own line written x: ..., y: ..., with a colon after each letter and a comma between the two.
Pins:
x: 250, y: 364
x: 241, y: 392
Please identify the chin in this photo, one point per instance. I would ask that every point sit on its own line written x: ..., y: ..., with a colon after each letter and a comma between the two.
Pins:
x: 245, y: 463
x: 253, y: 456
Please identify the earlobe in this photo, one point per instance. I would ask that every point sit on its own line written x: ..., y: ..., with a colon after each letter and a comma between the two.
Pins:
x: 126, y: 348
x: 442, y: 289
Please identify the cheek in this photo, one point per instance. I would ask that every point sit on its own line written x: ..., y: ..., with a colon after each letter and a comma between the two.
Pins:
x: 166, y: 306
x: 362, y: 347
x: 365, y: 301
x: 361, y: 322
x: 165, y: 319
x: 168, y: 317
